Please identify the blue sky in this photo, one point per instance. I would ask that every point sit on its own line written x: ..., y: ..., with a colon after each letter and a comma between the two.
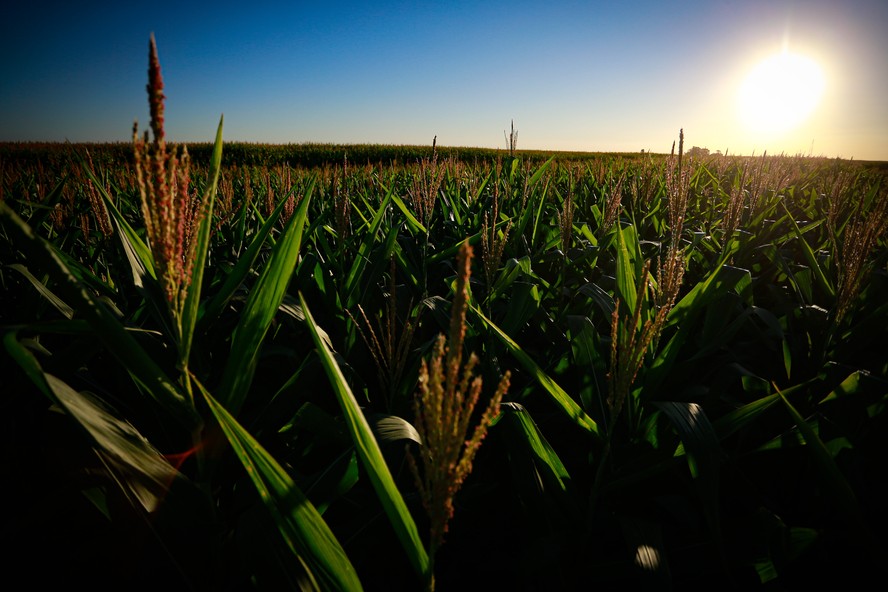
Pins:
x: 586, y: 76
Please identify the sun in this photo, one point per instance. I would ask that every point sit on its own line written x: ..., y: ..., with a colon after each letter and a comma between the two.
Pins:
x: 780, y: 93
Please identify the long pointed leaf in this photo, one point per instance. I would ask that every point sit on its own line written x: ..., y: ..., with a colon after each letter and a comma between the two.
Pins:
x: 262, y: 304
x: 241, y: 270
x: 57, y: 302
x: 704, y: 454
x: 370, y: 454
x: 819, y: 275
x: 557, y: 394
x: 362, y: 259
x: 202, y: 236
x: 137, y: 251
x: 107, y: 328
x: 140, y: 470
x: 831, y: 475
x: 302, y: 526
x: 548, y: 465
x: 685, y: 312
x: 626, y: 290
x: 414, y: 224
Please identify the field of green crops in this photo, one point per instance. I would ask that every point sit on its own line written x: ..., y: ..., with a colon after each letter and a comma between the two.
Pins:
x: 252, y: 368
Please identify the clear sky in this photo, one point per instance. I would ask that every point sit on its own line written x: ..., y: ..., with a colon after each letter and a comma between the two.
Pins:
x: 590, y: 76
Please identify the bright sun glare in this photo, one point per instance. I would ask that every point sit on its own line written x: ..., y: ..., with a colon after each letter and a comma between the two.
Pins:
x: 780, y: 93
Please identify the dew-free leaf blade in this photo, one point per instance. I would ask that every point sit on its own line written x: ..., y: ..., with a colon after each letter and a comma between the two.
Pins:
x: 522, y: 428
x: 811, y: 259
x: 201, y: 248
x: 626, y: 290
x: 557, y: 394
x: 302, y: 526
x: 108, y: 329
x: 262, y: 305
x: 830, y: 474
x: 704, y: 454
x: 134, y: 464
x: 56, y: 302
x: 137, y: 251
x: 415, y: 225
x: 362, y: 259
x: 370, y: 454
x: 245, y: 262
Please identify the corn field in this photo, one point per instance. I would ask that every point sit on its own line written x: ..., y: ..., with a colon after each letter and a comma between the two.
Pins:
x: 440, y: 369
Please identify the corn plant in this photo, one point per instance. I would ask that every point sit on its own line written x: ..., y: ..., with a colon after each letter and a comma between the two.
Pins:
x: 447, y: 395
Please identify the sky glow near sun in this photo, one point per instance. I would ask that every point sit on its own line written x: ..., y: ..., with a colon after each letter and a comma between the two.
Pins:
x: 780, y: 93
x: 587, y: 76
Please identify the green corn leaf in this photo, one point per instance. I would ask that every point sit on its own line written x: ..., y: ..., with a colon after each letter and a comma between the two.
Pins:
x: 684, y: 314
x: 137, y: 251
x: 46, y: 207
x: 742, y: 417
x: 450, y: 252
x: 601, y: 298
x: 140, y: 470
x: 698, y: 437
x: 538, y: 174
x: 141, y: 262
x: 482, y: 186
x: 140, y: 258
x: 586, y: 350
x: 244, y: 265
x: 526, y: 216
x: 307, y: 534
x: 107, y: 328
x: 551, y: 472
x: 813, y: 264
x: 512, y: 270
x: 536, y: 220
x: 362, y: 259
x: 846, y: 388
x: 449, y: 207
x: 524, y: 301
x: 380, y: 262
x: 371, y: 211
x: 739, y: 418
x: 539, y: 482
x: 335, y: 481
x: 831, y: 476
x: 202, y: 246
x: 703, y: 452
x: 408, y: 273
x: 718, y: 281
x: 391, y: 428
x: 27, y: 362
x: 105, y: 288
x: 626, y: 289
x: 415, y: 225
x: 259, y: 311
x: 240, y: 227
x: 54, y: 300
x: 557, y: 394
x: 370, y: 454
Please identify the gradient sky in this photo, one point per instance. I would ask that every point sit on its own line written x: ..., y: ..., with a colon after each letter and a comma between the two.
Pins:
x: 588, y: 76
